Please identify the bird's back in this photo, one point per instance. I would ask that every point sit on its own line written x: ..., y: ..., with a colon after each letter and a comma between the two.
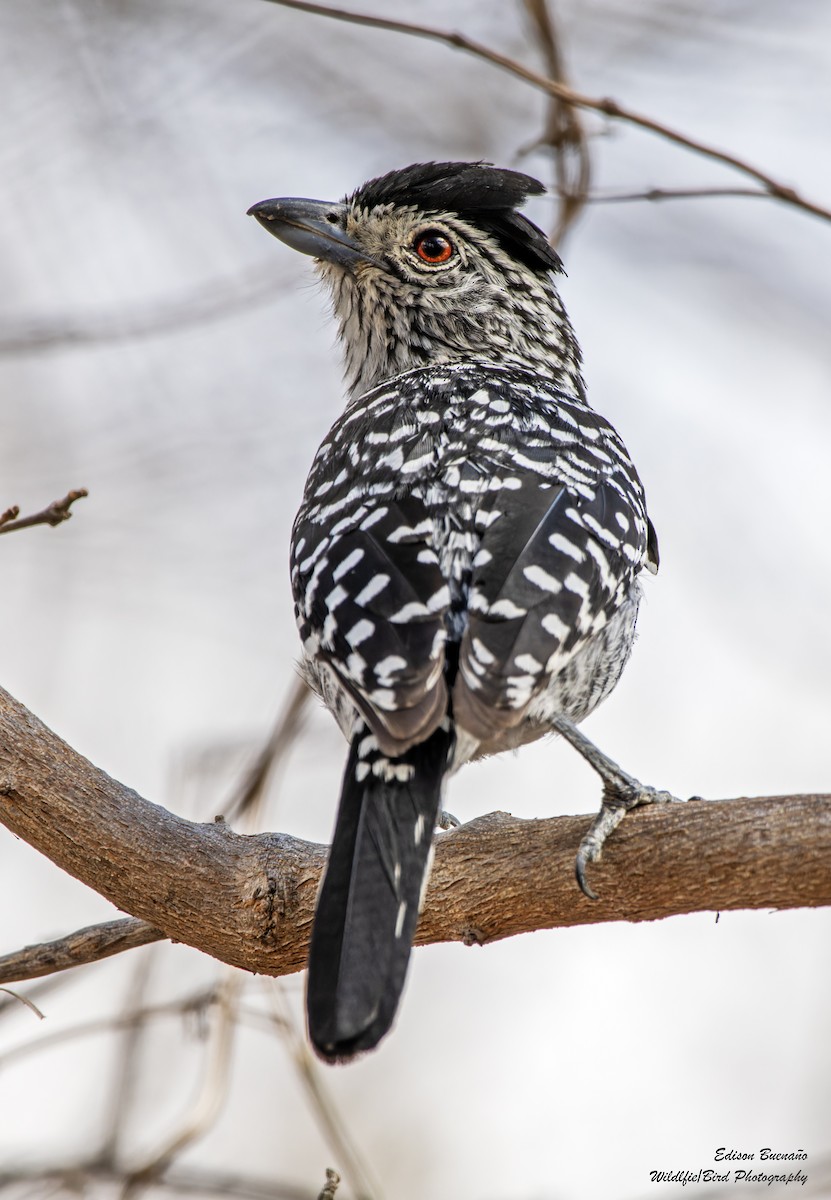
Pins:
x: 475, y: 529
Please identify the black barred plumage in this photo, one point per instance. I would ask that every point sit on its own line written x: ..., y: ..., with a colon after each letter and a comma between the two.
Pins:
x: 465, y: 560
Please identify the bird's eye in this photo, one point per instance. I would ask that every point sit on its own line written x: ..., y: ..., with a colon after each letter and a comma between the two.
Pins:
x: 433, y: 247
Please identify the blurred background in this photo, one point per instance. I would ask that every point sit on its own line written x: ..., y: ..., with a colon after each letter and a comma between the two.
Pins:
x: 157, y: 348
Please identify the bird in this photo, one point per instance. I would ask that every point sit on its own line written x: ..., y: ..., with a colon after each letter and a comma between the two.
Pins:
x: 466, y: 559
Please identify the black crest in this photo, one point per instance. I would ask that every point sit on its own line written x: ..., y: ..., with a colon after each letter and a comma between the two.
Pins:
x: 480, y: 193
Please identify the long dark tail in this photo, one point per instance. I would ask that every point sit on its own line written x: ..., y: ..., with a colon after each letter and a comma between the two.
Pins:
x: 368, y: 905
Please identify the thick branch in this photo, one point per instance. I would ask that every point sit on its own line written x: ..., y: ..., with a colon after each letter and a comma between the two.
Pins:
x: 248, y: 901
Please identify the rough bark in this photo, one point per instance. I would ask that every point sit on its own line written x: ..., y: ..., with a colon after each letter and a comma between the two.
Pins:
x: 249, y: 900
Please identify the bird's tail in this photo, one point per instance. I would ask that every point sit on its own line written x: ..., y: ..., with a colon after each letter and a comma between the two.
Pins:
x: 368, y: 905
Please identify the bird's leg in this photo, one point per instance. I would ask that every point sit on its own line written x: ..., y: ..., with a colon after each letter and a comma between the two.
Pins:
x: 621, y: 793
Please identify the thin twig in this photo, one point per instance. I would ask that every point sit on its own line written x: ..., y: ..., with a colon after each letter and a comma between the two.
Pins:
x: 606, y: 106
x: 24, y: 1000
x: 564, y: 132
x: 676, y: 194
x: 187, y: 1181
x: 211, y: 301
x: 330, y: 1186
x: 54, y: 514
x: 212, y: 1093
x: 38, y: 993
x: 320, y: 1098
x: 84, y: 946
x: 198, y: 1002
x: 125, y: 1070
x: 282, y: 738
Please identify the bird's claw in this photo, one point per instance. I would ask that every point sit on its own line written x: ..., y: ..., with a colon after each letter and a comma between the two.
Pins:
x: 447, y: 821
x: 618, y: 799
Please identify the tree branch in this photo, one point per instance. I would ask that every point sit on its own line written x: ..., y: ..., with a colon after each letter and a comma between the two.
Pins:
x: 84, y: 946
x: 773, y: 188
x: 249, y: 901
x: 54, y: 514
x: 211, y: 301
x: 185, y: 1182
x: 692, y: 193
x: 564, y: 132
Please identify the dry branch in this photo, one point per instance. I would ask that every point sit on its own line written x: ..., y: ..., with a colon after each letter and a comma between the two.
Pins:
x: 54, y: 514
x: 564, y: 132
x: 80, y: 1178
x: 249, y: 900
x: 607, y: 107
x: 83, y: 946
x: 212, y: 300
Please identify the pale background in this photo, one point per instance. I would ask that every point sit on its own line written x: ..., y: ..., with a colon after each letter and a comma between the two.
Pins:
x: 154, y: 631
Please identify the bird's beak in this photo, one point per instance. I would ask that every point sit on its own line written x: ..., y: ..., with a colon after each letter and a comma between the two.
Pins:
x: 311, y: 226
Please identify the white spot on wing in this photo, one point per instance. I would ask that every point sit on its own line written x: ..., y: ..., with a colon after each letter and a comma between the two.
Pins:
x: 393, y: 662
x: 542, y: 579
x: 527, y: 662
x: 554, y: 625
x: 506, y: 608
x: 375, y: 585
x: 348, y: 563
x: 410, y: 612
x: 335, y: 597
x: 360, y: 632
x: 561, y: 543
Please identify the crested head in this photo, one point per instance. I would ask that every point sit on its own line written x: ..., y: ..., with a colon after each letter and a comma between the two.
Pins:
x: 433, y: 264
x: 478, y: 192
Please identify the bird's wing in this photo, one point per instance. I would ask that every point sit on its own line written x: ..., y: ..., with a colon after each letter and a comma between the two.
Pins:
x: 550, y: 572
x: 370, y: 601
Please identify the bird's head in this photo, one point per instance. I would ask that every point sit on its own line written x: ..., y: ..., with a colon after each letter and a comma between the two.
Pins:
x: 431, y: 264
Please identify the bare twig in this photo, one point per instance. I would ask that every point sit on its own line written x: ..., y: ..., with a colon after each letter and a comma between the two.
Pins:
x: 24, y: 1000
x: 212, y: 1092
x: 38, y: 992
x: 125, y: 1073
x: 607, y: 107
x: 84, y: 946
x: 197, y: 1002
x: 54, y: 514
x: 654, y: 194
x: 330, y: 1186
x: 211, y: 301
x: 281, y: 740
x: 564, y: 131
x: 184, y: 1182
x: 331, y: 1123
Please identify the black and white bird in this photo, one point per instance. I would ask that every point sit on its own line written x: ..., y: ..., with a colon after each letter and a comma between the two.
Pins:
x: 466, y: 559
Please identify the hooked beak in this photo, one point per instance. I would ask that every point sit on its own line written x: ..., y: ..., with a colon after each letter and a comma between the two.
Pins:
x: 310, y: 226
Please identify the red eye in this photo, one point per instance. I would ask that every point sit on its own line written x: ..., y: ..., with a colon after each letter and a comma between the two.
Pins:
x: 433, y: 247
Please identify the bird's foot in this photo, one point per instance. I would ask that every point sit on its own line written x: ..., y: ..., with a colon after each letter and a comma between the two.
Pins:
x: 621, y: 793
x: 447, y: 821
x: 618, y: 799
